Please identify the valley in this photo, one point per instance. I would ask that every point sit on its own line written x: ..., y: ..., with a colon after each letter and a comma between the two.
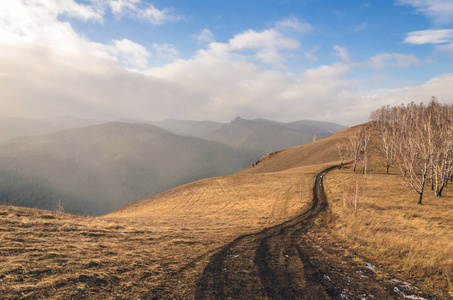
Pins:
x: 226, y: 150
x: 257, y: 232
x: 95, y: 169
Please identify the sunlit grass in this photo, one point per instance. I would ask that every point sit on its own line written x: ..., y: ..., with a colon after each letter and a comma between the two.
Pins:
x: 50, y: 255
x: 416, y: 240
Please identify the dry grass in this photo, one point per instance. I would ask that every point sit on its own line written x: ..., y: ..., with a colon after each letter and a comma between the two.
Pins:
x: 159, y: 246
x: 156, y: 246
x: 391, y: 228
x: 49, y: 255
x: 251, y: 200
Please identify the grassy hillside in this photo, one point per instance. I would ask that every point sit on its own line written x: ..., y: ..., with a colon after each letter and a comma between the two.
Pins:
x: 261, y: 135
x: 97, y: 169
x: 160, y: 245
x: 250, y: 192
x: 268, y: 136
x: 410, y: 239
x: 154, y: 246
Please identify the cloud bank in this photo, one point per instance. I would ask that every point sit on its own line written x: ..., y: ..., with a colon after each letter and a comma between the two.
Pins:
x: 48, y: 69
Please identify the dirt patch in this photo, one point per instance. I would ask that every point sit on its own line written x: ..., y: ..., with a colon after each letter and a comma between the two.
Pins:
x: 297, y: 260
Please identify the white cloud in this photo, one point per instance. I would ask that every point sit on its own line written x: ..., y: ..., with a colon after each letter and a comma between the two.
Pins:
x: 205, y: 36
x: 439, y: 86
x: 38, y: 84
x: 271, y: 46
x: 267, y: 45
x: 439, y: 36
x: 383, y: 60
x: 36, y: 23
x: 342, y: 52
x: 48, y: 69
x: 131, y: 54
x: 165, y: 51
x: 240, y: 88
x: 137, y: 9
x: 336, y: 70
x: 270, y: 38
x: 294, y: 24
x: 119, y: 7
x: 439, y: 11
x: 156, y: 16
x: 69, y: 8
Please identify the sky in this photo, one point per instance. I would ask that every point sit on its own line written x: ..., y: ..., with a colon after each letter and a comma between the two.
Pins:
x: 215, y: 60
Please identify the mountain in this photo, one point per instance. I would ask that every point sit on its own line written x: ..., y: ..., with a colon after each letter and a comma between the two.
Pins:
x: 181, y: 243
x: 18, y: 127
x: 268, y: 136
x: 200, y: 129
x: 261, y: 135
x: 96, y: 169
x: 158, y: 247
x: 268, y: 190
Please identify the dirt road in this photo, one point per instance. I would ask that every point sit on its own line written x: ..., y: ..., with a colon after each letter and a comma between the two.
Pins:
x: 298, y: 259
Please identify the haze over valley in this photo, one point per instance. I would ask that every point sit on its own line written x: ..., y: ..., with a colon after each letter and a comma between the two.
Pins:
x: 297, y: 149
x: 96, y: 169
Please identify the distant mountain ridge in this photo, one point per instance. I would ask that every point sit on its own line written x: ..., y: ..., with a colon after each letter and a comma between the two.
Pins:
x: 260, y: 134
x: 19, y: 127
x: 99, y: 168
x: 200, y: 129
x: 95, y: 169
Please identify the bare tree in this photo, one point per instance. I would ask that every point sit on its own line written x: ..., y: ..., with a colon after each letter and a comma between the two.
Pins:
x: 365, y: 136
x: 415, y: 149
x: 414, y: 166
x: 314, y: 137
x: 387, y: 140
x: 59, y: 206
x: 355, y: 142
x: 420, y: 138
x: 342, y: 152
x: 385, y: 121
x: 442, y: 161
x: 355, y: 190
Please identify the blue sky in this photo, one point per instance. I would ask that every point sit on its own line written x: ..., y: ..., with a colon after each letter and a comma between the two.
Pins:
x: 215, y: 60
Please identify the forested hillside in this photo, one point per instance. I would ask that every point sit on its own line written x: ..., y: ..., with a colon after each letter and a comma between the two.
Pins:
x: 96, y: 169
x: 261, y: 135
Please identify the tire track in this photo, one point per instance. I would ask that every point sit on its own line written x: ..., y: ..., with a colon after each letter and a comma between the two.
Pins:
x: 267, y: 264
x: 290, y: 261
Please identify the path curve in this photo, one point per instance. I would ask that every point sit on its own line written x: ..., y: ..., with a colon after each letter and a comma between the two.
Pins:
x: 268, y: 264
x: 298, y: 260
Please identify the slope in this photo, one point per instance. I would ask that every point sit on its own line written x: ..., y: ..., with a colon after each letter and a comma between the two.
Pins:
x: 273, y: 182
x: 247, y: 205
x: 160, y: 247
x: 199, y: 129
x: 96, y: 169
x: 260, y: 134
x: 268, y: 136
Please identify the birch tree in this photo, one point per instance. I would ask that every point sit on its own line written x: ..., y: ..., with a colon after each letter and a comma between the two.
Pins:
x: 342, y: 152
x: 420, y: 139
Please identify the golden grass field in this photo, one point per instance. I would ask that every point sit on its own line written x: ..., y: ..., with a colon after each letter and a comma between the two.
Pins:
x: 413, y: 240
x: 160, y: 245
x: 46, y: 254
x: 153, y: 246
